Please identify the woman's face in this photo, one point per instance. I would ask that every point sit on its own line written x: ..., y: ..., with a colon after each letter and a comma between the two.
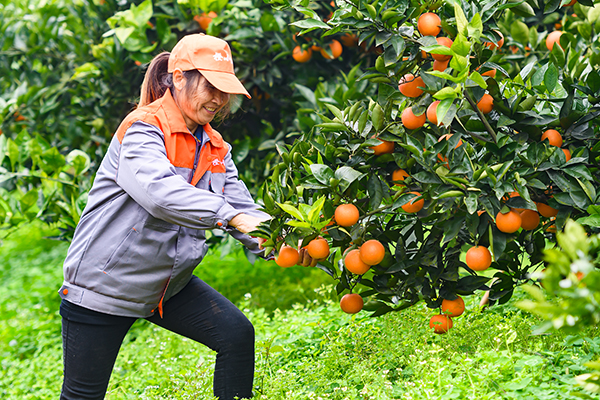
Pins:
x: 198, y: 105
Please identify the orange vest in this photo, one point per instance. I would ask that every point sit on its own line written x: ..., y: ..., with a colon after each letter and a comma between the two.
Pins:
x: 179, y: 142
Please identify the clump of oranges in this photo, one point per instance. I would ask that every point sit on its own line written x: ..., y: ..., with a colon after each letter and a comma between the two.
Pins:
x: 354, y: 263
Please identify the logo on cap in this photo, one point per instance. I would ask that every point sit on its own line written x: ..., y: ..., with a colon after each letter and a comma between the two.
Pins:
x: 219, y: 57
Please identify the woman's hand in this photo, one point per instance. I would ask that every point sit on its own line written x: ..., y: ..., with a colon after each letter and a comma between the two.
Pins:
x: 246, y: 223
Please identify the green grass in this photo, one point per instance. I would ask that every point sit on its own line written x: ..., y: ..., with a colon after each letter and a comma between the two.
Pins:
x: 310, y: 350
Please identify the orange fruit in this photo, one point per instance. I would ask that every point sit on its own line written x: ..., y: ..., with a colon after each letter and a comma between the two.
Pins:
x: 440, y: 65
x: 349, y: 40
x: 486, y: 103
x: 553, y: 37
x: 399, y: 175
x: 509, y: 222
x: 440, y: 323
x: 570, y: 4
x: 412, y: 121
x: 567, y: 153
x: 443, y: 41
x: 372, y: 252
x: 529, y: 220
x: 432, y: 112
x: 414, y: 206
x: 300, y: 55
x: 205, y: 19
x: 346, y: 215
x: 545, y: 210
x: 354, y: 264
x: 479, y: 258
x: 336, y: 50
x: 409, y: 85
x: 494, y: 46
x: 453, y: 308
x: 490, y: 73
x: 318, y: 249
x: 553, y: 136
x: 385, y: 147
x: 287, y: 257
x: 429, y: 24
x: 351, y: 303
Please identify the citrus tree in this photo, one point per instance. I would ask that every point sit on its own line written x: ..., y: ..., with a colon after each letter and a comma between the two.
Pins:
x: 480, y: 138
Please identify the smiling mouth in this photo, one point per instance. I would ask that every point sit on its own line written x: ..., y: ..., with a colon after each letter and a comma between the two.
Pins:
x: 210, y: 110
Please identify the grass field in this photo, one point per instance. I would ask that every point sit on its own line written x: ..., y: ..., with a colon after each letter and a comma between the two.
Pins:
x: 306, y: 347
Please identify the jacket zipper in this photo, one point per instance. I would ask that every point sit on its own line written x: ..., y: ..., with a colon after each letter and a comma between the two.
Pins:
x: 196, y: 157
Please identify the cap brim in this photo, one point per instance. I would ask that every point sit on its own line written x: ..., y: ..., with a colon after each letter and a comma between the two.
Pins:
x: 225, y: 82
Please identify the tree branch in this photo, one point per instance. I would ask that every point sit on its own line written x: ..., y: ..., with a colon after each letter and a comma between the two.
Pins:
x: 487, y: 125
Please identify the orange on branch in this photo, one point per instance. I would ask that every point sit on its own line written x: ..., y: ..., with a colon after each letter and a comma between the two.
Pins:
x: 440, y: 323
x: 351, y: 303
x: 509, y: 222
x: 486, y: 103
x: 453, y: 308
x: 336, y: 50
x: 429, y: 24
x: 414, y: 206
x: 318, y: 249
x: 349, y: 40
x: 447, y: 137
x: 552, y: 38
x: 300, y: 55
x: 287, y: 257
x: 567, y: 154
x: 491, y: 73
x: 530, y: 220
x: 478, y: 258
x: 432, y: 112
x: 412, y: 121
x: 385, y: 147
x: 440, y: 65
x: 494, y: 46
x: 354, y: 263
x: 443, y: 41
x: 346, y: 215
x: 372, y: 252
x: 545, y: 210
x: 553, y: 136
x: 399, y: 175
x: 409, y: 85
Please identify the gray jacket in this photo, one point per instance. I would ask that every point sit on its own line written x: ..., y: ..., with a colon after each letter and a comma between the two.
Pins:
x: 142, y: 232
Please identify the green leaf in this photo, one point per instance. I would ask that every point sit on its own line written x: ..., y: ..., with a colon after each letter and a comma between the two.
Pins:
x: 293, y: 211
x: 375, y: 190
x: 322, y: 173
x: 298, y: 224
x: 478, y: 79
x: 445, y: 93
x: 475, y: 27
x: 346, y: 175
x: 315, y: 212
x: 471, y: 202
x: 461, y: 46
x: 310, y: 24
x: 551, y: 78
x: 461, y: 20
x: 520, y: 32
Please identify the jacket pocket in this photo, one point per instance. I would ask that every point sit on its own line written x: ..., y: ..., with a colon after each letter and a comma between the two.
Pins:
x: 217, y: 182
x: 120, y: 251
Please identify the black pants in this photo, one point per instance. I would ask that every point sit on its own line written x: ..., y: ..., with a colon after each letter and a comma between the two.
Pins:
x: 91, y: 341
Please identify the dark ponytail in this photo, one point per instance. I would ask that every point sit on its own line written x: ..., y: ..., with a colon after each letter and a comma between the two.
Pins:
x: 157, y: 80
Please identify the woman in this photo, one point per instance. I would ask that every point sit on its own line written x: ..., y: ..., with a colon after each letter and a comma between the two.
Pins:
x: 166, y: 178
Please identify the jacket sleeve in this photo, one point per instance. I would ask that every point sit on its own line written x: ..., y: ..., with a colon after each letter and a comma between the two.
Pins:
x: 239, y: 197
x: 147, y: 175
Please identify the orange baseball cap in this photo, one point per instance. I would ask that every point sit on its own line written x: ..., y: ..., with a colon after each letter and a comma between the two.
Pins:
x: 212, y: 57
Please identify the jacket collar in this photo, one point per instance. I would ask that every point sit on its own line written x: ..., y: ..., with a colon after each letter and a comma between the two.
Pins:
x: 177, y: 123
